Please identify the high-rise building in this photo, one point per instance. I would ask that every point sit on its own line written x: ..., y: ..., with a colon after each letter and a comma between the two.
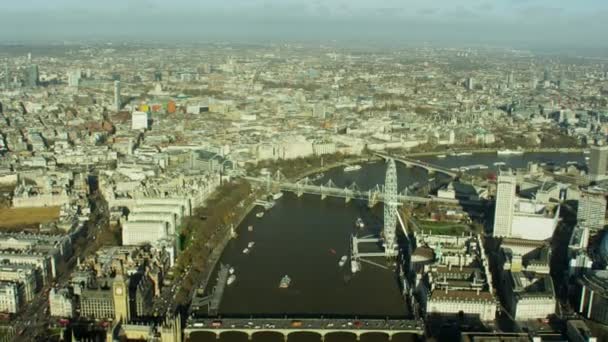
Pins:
x: 74, y: 78
x: 470, y: 84
x: 598, y: 161
x: 505, y: 202
x: 534, y: 83
x: 117, y: 101
x: 591, y: 208
x: 32, y: 77
x: 7, y: 77
x: 510, y: 80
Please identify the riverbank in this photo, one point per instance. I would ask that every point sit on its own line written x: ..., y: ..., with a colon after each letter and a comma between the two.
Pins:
x: 490, y: 151
x: 217, y: 251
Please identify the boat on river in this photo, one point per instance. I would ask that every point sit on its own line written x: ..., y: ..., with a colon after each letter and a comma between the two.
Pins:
x: 509, y: 152
x: 250, y: 228
x: 246, y: 251
x: 285, y: 282
x: 359, y: 223
x: 352, y: 168
x: 250, y: 245
x: 231, y: 279
x: 260, y: 214
x: 354, y: 266
x: 342, y: 260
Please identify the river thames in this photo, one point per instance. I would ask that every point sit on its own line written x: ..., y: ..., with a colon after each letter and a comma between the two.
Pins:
x: 305, y: 238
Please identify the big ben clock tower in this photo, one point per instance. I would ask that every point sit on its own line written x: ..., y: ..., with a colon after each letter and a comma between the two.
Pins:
x: 120, y: 291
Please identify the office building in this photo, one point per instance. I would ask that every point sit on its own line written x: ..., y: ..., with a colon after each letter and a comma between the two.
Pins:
x: 470, y: 85
x: 510, y: 80
x: 117, y: 99
x: 32, y: 77
x: 74, y: 78
x: 529, y: 295
x: 60, y: 303
x: 24, y: 275
x: 592, y: 208
x: 578, y: 331
x: 9, y: 297
x: 141, y: 232
x: 598, y: 161
x: 7, y: 77
x: 534, y: 221
x: 592, y: 295
x: 505, y: 202
x: 139, y: 120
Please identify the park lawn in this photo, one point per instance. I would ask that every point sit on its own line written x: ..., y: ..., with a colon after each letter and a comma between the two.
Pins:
x: 444, y: 228
x: 15, y: 217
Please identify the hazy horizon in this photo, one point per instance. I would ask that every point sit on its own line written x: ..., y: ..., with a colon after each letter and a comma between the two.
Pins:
x: 526, y: 23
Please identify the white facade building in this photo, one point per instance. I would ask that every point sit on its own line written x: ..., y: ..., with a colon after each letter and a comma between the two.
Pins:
x: 598, y: 161
x: 591, y: 209
x: 60, y: 303
x: 481, y: 304
x: 139, y: 120
x: 9, y: 297
x: 140, y: 232
x: 505, y: 202
x: 533, y: 221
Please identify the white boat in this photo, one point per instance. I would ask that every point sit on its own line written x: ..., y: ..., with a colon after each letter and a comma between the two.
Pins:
x: 231, y: 270
x: 351, y: 168
x: 359, y: 223
x: 285, y: 282
x: 231, y: 279
x: 250, y: 245
x: 464, y: 154
x: 508, y: 152
x: 250, y: 228
x: 441, y: 156
x: 342, y: 260
x: 318, y: 176
x: 246, y: 251
x: 277, y: 195
x: 354, y: 266
x: 500, y: 164
x: 260, y: 214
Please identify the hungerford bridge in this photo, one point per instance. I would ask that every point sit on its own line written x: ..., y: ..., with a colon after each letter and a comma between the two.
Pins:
x: 387, y: 194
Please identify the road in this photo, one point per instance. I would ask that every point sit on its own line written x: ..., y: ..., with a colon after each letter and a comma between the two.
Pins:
x: 312, y: 324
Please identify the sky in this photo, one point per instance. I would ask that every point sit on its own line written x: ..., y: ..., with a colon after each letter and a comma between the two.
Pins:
x: 543, y: 22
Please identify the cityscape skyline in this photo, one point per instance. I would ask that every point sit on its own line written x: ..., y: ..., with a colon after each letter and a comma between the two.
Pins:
x: 538, y: 23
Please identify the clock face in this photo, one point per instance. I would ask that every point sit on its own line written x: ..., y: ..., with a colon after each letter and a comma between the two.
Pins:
x: 119, y: 290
